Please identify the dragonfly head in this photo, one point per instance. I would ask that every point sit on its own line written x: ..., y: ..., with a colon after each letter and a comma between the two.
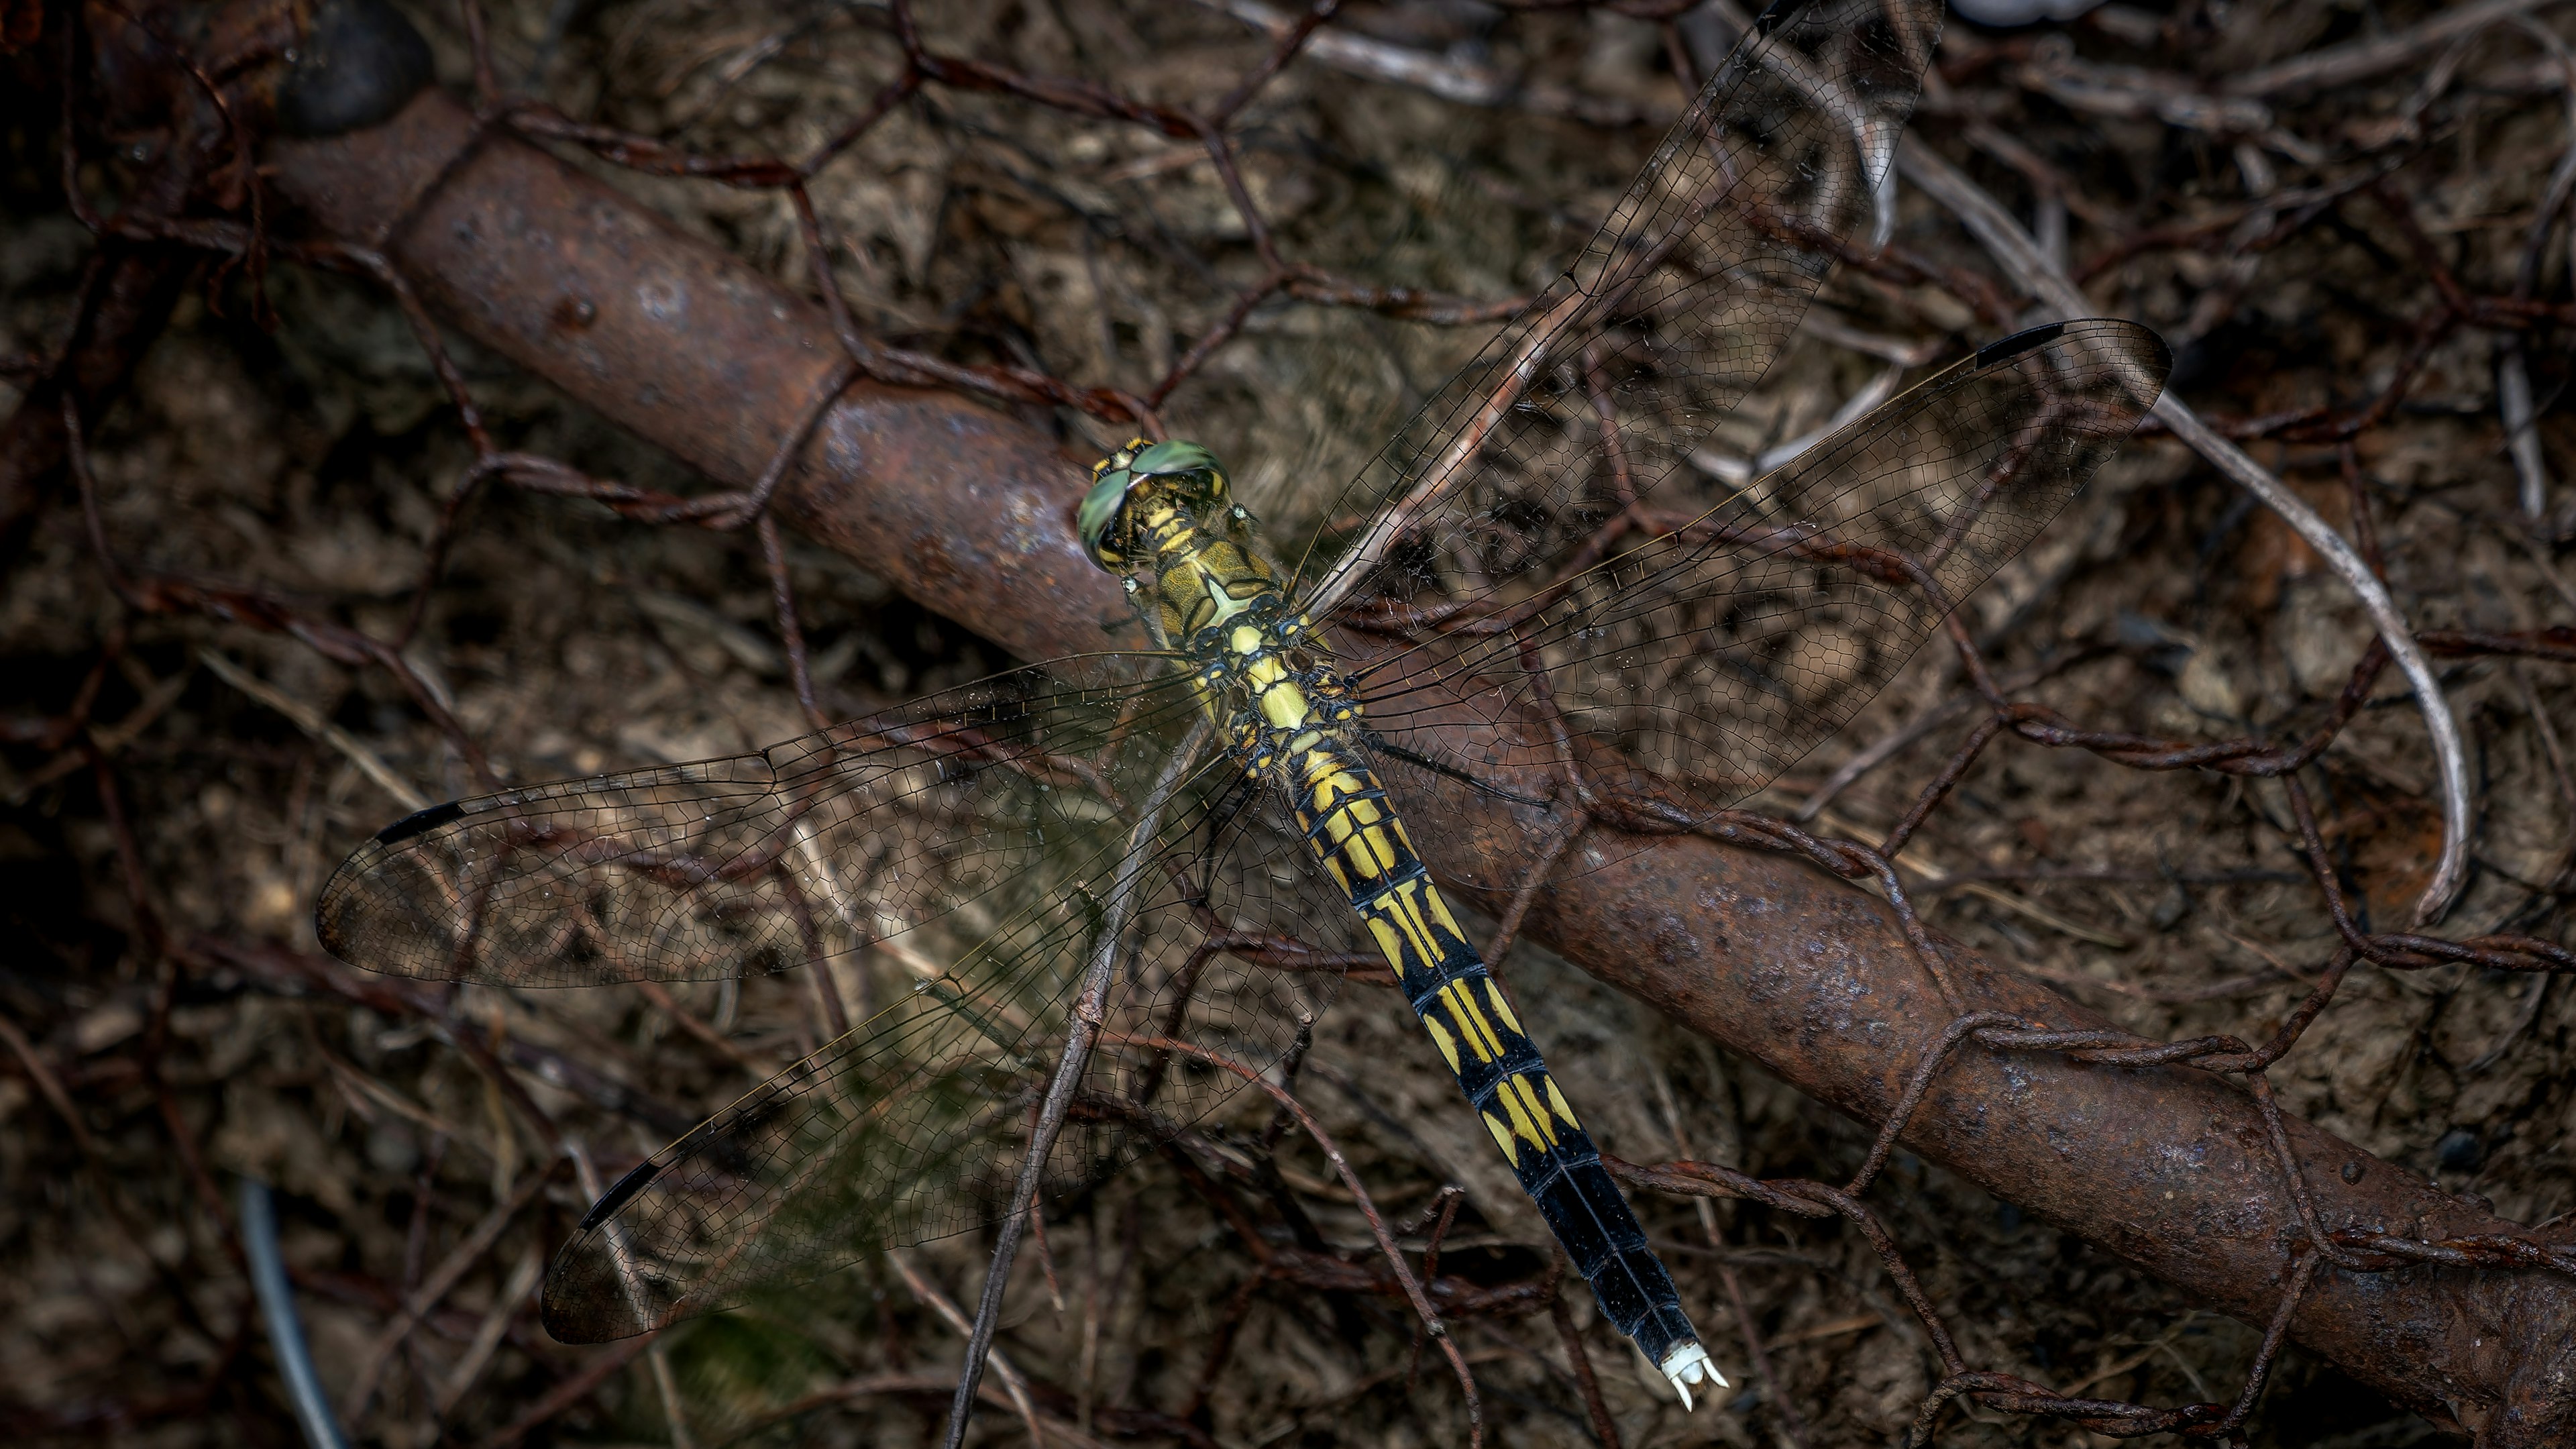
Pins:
x: 1185, y: 473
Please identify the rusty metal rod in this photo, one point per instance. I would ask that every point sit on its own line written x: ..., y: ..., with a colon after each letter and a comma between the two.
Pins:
x: 969, y: 511
x: 964, y: 508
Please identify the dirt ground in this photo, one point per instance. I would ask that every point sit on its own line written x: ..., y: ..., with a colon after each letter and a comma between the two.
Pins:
x: 2295, y: 251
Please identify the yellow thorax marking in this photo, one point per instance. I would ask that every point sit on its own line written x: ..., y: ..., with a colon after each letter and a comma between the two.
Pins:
x: 1222, y: 604
x: 1283, y: 703
x: 1218, y: 568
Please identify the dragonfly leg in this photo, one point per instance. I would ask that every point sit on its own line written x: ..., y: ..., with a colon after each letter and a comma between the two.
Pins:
x: 1391, y: 749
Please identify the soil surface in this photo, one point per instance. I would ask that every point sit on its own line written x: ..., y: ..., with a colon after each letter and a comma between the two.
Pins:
x: 175, y: 784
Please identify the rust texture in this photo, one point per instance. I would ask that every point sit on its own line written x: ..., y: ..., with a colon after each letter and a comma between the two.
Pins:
x: 961, y: 507
x: 968, y: 510
x: 2168, y: 1166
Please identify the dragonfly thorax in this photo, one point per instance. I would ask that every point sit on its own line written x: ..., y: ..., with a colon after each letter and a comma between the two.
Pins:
x: 1165, y: 510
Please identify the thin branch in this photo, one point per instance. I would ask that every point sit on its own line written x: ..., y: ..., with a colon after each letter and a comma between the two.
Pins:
x: 2020, y: 256
x: 1080, y: 1036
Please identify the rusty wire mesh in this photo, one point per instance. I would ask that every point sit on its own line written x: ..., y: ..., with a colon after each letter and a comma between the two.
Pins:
x: 2355, y: 269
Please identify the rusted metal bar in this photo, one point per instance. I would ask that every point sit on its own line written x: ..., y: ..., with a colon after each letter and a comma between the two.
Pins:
x: 969, y: 511
x: 963, y: 508
x: 2169, y: 1167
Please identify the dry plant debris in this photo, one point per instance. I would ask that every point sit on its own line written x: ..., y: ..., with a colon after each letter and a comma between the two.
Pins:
x: 2351, y: 226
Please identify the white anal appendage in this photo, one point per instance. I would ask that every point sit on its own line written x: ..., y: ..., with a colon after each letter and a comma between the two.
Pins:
x: 1689, y: 1364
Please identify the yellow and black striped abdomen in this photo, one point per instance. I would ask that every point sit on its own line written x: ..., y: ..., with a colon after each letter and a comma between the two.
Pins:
x: 1361, y: 843
x: 1293, y: 721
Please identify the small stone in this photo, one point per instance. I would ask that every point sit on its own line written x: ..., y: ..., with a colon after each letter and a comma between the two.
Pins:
x: 391, y: 1149
x: 2352, y: 1170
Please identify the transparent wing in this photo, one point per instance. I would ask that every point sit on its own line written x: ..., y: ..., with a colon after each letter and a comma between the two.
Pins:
x: 972, y: 838
x: 875, y: 829
x: 1717, y: 646
x: 914, y: 1126
x: 1682, y: 301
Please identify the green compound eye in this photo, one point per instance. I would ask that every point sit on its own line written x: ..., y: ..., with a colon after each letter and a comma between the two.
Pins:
x: 1176, y: 456
x: 1138, y: 462
x: 1099, y: 510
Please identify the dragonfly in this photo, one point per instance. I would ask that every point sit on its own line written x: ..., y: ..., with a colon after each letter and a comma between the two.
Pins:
x: 1186, y: 849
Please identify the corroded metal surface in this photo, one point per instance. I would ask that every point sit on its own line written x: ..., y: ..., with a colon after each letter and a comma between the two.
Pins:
x: 670, y: 337
x: 2168, y: 1167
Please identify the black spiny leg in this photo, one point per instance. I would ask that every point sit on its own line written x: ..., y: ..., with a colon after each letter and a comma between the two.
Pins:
x: 1221, y: 817
x: 1385, y: 746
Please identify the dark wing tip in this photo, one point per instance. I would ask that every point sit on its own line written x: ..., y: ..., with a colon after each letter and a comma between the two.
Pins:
x: 345, y: 894
x: 619, y: 1195
x: 594, y: 1292
x: 2153, y: 354
x: 562, y: 1325
x: 571, y: 1317
x: 420, y: 822
x: 581, y: 1302
x: 2026, y: 340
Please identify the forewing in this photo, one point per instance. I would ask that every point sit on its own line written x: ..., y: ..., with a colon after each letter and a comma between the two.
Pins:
x: 915, y: 1125
x: 1718, y: 647
x: 1680, y: 304
x: 870, y: 830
